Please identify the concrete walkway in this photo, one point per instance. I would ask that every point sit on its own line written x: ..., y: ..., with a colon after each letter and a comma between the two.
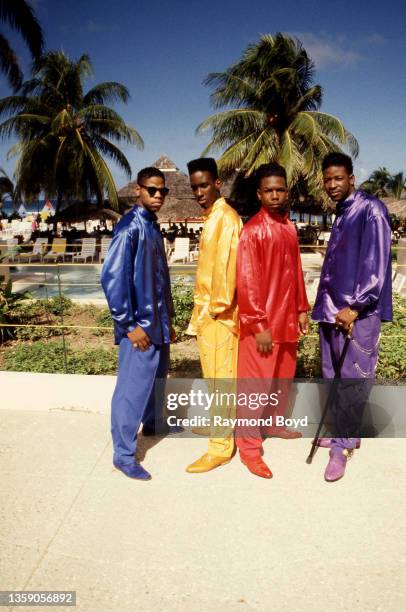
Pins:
x: 218, y: 541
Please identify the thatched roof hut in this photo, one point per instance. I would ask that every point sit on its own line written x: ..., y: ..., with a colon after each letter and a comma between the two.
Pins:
x: 396, y: 207
x: 180, y: 203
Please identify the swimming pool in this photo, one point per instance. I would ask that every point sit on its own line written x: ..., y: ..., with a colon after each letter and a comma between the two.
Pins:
x: 77, y: 282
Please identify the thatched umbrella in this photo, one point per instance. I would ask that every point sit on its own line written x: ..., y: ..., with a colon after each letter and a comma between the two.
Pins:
x: 86, y: 211
x: 180, y: 204
x: 396, y: 207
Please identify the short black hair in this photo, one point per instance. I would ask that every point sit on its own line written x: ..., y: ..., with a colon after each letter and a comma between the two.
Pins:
x: 148, y: 172
x: 338, y: 159
x: 203, y: 164
x: 271, y: 169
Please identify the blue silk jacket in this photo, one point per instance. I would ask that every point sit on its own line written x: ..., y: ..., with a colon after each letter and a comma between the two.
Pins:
x: 357, y: 269
x: 135, y: 278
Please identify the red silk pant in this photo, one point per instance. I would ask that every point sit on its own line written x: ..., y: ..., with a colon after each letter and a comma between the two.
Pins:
x: 267, y: 374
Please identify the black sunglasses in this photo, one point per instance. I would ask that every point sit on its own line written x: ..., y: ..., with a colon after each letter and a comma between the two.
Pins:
x: 152, y: 190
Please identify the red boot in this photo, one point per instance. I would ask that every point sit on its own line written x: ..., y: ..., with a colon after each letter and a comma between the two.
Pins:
x: 256, y: 466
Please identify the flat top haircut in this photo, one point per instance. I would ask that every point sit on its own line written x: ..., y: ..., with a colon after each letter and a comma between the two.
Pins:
x: 149, y: 172
x: 203, y: 164
x: 338, y: 159
x: 271, y: 169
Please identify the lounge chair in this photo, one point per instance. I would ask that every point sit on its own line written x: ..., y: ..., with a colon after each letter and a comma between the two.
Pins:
x: 58, y: 250
x: 104, y: 247
x: 398, y: 283
x: 181, y: 250
x: 12, y: 249
x: 36, y: 254
x: 88, y: 250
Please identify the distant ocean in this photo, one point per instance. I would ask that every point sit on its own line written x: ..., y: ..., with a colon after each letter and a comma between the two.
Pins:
x: 34, y: 207
x: 37, y: 206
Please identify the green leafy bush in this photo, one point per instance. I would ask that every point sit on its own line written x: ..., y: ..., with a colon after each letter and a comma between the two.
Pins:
x: 58, y: 305
x: 49, y: 357
x: 392, y: 352
x: 183, y: 302
x: 34, y: 312
x: 9, y: 300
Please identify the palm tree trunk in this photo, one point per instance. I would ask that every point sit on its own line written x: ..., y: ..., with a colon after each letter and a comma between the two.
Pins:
x: 57, y: 209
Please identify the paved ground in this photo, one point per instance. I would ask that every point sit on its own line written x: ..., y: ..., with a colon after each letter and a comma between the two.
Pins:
x: 219, y: 541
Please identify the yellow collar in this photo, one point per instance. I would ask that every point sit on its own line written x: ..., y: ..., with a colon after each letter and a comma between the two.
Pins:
x: 219, y: 202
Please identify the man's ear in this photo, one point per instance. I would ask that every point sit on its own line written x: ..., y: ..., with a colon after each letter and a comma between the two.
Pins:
x: 352, y: 180
x: 218, y: 183
x: 258, y: 194
x: 137, y: 190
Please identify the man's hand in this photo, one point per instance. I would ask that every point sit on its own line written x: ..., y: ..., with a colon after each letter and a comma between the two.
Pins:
x: 345, y: 318
x: 139, y: 339
x: 172, y: 334
x: 264, y: 341
x: 303, y: 323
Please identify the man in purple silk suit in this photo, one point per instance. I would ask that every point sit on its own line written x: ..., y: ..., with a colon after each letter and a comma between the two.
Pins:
x: 355, y: 293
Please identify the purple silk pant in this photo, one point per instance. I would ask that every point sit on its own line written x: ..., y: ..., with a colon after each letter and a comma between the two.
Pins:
x: 357, y: 374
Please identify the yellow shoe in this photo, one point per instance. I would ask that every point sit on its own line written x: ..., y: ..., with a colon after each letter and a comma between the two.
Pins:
x: 206, y: 463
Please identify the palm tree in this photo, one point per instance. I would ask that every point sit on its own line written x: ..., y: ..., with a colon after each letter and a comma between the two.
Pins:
x: 274, y: 114
x: 396, y: 184
x: 19, y: 15
x: 378, y: 183
x: 6, y: 187
x: 64, y: 133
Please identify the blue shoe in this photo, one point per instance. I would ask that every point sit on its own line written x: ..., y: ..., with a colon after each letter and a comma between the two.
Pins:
x: 132, y: 470
x: 163, y: 430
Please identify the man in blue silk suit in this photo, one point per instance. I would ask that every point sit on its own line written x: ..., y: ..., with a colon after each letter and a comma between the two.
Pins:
x: 354, y: 296
x: 135, y: 279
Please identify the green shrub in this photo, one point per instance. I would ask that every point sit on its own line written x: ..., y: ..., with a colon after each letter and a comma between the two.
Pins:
x: 308, y: 357
x: 58, y: 305
x: 183, y: 302
x: 49, y: 357
x: 392, y: 352
x: 34, y: 313
x: 9, y: 300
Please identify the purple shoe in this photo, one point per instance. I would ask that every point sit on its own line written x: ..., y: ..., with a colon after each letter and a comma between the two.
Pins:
x: 336, y: 466
x: 324, y: 442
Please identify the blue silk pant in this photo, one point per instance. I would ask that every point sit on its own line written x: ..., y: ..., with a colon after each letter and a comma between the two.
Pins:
x: 136, y: 398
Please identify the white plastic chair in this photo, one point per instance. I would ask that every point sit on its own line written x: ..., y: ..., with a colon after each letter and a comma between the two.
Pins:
x: 398, y: 283
x: 181, y: 250
x: 88, y: 250
x: 37, y: 251
x: 12, y: 249
x: 104, y: 247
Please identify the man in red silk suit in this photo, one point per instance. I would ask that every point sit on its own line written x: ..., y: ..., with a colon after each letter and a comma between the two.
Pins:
x: 272, y: 308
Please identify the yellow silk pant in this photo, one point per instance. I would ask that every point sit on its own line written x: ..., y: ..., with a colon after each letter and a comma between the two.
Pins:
x: 218, y: 351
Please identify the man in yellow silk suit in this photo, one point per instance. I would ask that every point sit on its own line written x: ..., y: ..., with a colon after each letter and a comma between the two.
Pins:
x: 214, y: 320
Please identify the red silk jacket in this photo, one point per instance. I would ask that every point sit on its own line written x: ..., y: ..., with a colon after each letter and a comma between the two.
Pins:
x: 270, y: 286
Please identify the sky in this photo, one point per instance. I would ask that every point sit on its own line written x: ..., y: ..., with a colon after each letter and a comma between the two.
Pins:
x: 162, y: 52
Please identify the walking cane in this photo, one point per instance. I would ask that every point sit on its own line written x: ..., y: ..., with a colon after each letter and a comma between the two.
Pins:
x: 331, y: 395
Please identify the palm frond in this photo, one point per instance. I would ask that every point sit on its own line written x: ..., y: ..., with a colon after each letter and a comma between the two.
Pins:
x: 9, y: 64
x: 21, y: 17
x: 104, y: 93
x: 108, y: 149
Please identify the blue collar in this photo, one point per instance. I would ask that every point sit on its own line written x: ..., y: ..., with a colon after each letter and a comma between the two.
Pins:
x: 146, y: 214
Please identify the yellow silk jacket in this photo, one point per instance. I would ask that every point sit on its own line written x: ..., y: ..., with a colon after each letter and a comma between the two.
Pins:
x: 215, y: 290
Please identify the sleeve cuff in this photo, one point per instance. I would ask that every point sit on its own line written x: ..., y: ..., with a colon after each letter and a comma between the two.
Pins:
x: 257, y: 328
x: 191, y: 331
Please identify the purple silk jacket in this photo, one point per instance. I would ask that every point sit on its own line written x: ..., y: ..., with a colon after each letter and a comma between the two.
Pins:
x: 357, y: 269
